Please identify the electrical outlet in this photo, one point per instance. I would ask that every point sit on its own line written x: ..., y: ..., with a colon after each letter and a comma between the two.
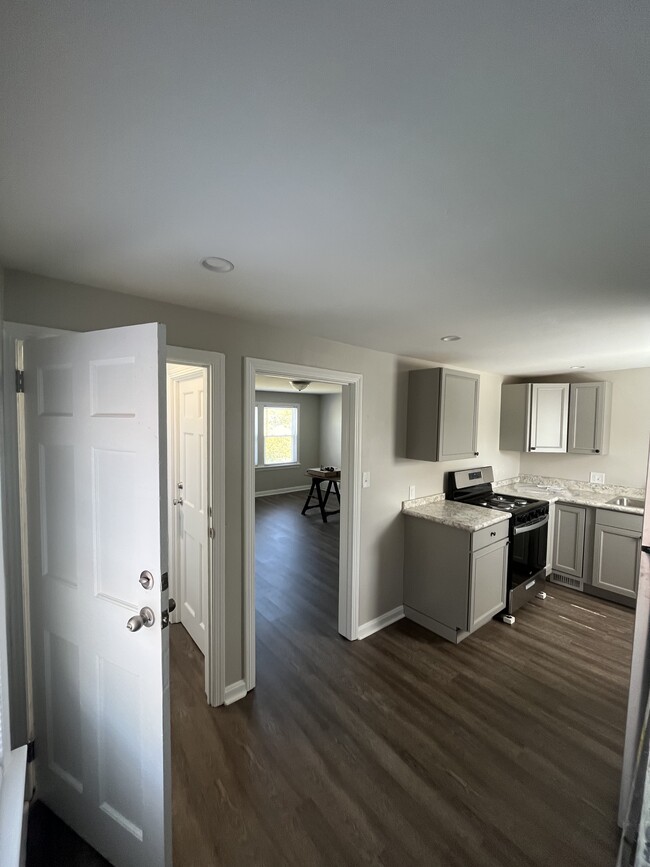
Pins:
x: 366, y: 480
x: 411, y: 492
x: 597, y: 478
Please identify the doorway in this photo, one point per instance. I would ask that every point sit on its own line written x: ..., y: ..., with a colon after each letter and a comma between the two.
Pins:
x: 196, y: 504
x: 297, y: 515
x: 348, y: 567
x: 190, y: 511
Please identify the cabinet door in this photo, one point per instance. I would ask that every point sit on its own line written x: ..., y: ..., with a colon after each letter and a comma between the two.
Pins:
x: 549, y: 417
x: 617, y: 556
x: 569, y: 541
x: 589, y: 411
x: 487, y: 584
x: 459, y: 394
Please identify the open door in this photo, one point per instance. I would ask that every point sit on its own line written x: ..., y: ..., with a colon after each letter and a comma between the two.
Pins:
x: 96, y: 517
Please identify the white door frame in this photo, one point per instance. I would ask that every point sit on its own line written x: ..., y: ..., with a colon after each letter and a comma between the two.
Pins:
x: 15, y: 540
x: 348, y: 618
x: 215, y: 657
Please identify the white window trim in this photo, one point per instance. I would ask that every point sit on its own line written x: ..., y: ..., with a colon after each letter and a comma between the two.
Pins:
x: 261, y: 404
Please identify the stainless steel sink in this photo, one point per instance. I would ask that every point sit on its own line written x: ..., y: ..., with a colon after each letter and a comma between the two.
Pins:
x: 631, y: 502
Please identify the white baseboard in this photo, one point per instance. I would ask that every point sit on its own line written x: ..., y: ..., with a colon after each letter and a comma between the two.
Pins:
x: 372, y: 626
x: 282, y: 491
x: 234, y: 691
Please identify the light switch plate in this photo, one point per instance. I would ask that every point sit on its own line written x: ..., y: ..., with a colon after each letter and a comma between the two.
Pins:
x: 597, y: 478
x: 366, y: 480
x: 411, y: 492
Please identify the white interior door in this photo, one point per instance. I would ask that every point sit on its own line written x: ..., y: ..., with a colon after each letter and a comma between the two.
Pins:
x: 192, y: 519
x: 96, y: 495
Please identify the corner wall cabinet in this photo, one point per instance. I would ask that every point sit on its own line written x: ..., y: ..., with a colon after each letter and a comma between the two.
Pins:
x: 590, y: 406
x: 617, y: 552
x: 534, y: 417
x: 442, y: 419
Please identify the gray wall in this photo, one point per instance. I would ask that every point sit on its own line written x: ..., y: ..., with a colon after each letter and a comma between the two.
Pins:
x: 42, y: 301
x: 330, y: 430
x: 627, y: 461
x: 308, y: 442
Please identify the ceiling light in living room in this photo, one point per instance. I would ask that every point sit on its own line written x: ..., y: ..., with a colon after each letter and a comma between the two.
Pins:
x: 216, y: 263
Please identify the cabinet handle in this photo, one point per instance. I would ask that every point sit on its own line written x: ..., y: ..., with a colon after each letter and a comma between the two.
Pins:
x: 475, y: 454
x: 597, y: 451
x: 493, y: 533
x: 532, y: 448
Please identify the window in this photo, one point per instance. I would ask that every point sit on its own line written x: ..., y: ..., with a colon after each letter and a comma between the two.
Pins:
x: 276, y: 434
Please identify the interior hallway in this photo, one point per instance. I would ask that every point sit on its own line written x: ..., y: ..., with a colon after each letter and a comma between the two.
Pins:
x: 400, y: 749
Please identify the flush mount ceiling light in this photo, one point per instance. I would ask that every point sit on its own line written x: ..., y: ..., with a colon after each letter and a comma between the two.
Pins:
x: 216, y: 263
x: 449, y: 337
x: 300, y: 384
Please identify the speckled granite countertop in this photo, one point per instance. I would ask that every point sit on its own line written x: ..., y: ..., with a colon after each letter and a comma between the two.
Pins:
x: 574, y: 492
x: 463, y: 517
x: 458, y: 515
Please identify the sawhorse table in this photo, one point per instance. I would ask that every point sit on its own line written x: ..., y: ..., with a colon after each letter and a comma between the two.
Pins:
x: 332, y: 477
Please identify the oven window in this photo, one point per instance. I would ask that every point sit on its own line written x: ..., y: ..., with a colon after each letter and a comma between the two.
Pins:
x: 528, y: 553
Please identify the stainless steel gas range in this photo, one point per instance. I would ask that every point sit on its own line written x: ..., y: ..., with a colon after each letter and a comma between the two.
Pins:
x: 528, y: 532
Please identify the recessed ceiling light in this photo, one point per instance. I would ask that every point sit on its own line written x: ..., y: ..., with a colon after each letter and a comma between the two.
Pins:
x: 216, y: 263
x: 577, y: 367
x: 450, y: 337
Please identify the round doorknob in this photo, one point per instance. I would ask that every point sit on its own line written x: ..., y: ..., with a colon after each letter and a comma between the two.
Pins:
x: 172, y: 604
x: 146, y: 618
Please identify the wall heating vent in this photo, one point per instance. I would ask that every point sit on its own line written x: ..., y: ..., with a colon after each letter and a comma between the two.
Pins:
x: 574, y: 583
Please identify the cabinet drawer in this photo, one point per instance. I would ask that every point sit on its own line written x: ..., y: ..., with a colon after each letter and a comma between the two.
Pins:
x: 622, y: 520
x: 489, y: 535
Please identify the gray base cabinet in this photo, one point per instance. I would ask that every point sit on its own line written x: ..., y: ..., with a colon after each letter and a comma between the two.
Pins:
x: 617, y: 552
x: 454, y: 580
x: 569, y: 540
x: 442, y: 422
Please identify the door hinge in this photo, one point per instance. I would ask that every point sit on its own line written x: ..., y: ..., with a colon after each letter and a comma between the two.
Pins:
x: 31, y: 751
x: 20, y: 382
x: 164, y: 619
x: 211, y: 533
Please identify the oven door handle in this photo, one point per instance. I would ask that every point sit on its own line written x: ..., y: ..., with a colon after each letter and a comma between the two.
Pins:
x: 528, y: 528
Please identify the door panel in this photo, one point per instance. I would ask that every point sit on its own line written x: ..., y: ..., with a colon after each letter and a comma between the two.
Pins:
x: 193, y: 519
x: 617, y: 557
x: 569, y: 542
x: 95, y: 483
x: 549, y: 417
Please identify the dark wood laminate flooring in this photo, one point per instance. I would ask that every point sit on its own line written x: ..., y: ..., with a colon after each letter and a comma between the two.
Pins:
x: 401, y: 749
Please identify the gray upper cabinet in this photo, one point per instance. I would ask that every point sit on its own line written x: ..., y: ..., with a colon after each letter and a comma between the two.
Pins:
x: 442, y: 421
x: 589, y: 417
x: 534, y: 417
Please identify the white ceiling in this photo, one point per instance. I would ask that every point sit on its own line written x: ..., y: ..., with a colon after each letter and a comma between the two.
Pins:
x: 277, y: 383
x: 381, y: 173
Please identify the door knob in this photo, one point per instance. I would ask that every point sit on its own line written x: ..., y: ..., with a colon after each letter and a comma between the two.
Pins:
x: 146, y: 618
x: 172, y: 604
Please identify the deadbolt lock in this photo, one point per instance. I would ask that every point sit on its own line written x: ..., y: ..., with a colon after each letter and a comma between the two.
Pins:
x: 146, y: 580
